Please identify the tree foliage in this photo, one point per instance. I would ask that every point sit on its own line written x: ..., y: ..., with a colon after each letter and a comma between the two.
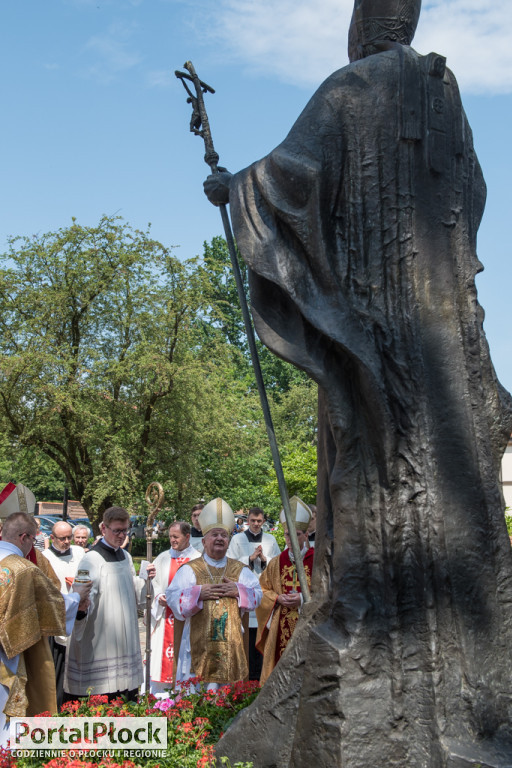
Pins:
x: 120, y: 364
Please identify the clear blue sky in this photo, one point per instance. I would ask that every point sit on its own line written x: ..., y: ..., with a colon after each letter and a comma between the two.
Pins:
x: 95, y: 122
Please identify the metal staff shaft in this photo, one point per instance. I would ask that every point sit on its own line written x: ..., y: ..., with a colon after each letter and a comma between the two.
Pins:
x: 154, y: 500
x: 201, y: 127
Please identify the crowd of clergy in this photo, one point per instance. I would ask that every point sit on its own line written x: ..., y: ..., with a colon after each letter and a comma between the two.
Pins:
x: 224, y: 603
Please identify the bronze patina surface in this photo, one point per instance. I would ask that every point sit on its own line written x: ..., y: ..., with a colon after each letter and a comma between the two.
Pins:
x: 359, y: 231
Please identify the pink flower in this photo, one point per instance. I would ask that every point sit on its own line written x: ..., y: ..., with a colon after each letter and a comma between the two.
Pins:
x: 164, y: 704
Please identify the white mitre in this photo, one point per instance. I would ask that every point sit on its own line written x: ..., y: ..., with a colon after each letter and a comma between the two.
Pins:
x: 301, y: 514
x: 16, y: 498
x: 217, y: 514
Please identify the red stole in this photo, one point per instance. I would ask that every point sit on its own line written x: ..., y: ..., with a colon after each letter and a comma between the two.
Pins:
x: 166, y: 668
x: 32, y: 556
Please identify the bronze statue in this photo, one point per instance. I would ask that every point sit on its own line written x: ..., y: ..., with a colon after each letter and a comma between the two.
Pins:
x: 360, y: 234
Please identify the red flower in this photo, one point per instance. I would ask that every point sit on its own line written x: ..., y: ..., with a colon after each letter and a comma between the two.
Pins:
x: 6, y: 760
x: 99, y: 698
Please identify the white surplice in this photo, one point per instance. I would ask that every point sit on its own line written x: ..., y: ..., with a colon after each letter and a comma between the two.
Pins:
x: 104, y: 649
x: 160, y: 583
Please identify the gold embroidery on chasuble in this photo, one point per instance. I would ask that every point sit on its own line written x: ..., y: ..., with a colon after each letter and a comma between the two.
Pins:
x: 216, y: 640
x: 44, y: 564
x: 15, y: 682
x: 31, y: 609
x: 30, y: 606
x: 289, y: 616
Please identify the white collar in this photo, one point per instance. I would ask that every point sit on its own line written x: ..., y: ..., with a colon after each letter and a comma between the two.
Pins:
x: 302, y: 552
x: 108, y: 545
x: 175, y: 553
x: 215, y: 563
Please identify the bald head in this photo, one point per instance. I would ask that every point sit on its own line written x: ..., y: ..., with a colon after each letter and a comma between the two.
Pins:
x: 61, y: 536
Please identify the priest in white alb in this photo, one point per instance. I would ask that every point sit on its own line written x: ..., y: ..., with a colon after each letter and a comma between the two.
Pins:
x: 213, y: 595
x: 162, y: 618
x: 64, y: 558
x: 103, y: 654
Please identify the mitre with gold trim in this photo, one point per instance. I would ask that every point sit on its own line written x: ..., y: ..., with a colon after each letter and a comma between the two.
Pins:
x: 301, y: 514
x: 16, y: 498
x: 217, y: 514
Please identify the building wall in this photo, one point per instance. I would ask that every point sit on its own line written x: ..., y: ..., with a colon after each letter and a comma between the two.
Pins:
x: 506, y: 474
x: 75, y: 509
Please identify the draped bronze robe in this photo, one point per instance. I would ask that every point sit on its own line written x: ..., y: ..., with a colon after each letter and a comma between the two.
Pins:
x: 360, y: 234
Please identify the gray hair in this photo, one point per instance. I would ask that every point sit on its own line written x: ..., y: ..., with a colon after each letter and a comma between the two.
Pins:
x: 81, y: 528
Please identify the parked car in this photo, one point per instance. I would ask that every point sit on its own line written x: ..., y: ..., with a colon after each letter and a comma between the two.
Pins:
x: 47, y: 523
x: 138, y: 526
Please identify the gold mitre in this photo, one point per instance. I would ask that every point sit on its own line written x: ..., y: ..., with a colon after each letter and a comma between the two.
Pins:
x: 301, y: 514
x: 217, y: 514
x: 16, y: 498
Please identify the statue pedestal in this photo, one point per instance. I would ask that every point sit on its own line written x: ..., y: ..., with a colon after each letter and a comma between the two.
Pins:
x: 461, y: 755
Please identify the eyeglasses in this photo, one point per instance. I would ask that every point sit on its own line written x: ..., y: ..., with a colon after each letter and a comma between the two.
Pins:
x: 118, y: 531
x: 25, y: 533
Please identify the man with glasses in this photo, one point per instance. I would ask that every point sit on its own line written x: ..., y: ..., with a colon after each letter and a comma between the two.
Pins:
x: 104, y: 654
x: 210, y: 596
x: 196, y: 534
x: 64, y: 558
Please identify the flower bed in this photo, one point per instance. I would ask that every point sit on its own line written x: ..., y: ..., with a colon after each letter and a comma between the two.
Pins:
x: 195, y: 722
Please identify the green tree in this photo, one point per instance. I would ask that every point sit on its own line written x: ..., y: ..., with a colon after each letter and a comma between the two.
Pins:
x: 97, y: 348
x: 243, y: 473
x: 223, y: 319
x: 120, y: 365
x: 32, y: 467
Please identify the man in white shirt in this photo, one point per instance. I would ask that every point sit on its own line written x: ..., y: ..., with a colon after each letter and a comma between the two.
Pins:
x: 64, y: 559
x: 81, y: 536
x: 254, y: 548
x: 162, y: 618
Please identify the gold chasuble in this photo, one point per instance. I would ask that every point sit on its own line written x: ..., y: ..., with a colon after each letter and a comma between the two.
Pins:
x: 44, y: 564
x: 31, y: 610
x: 216, y: 640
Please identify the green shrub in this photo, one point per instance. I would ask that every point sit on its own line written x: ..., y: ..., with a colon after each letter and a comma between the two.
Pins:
x: 139, y: 546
